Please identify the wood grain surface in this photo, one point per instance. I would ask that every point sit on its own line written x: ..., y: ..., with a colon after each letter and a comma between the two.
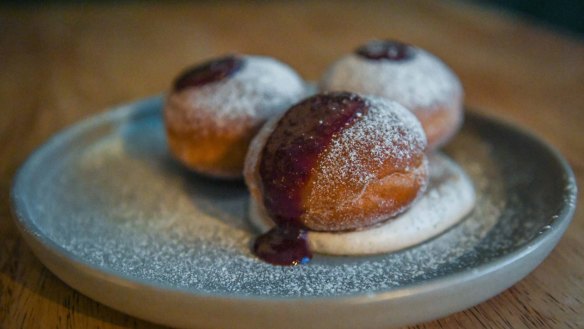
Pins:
x: 63, y: 63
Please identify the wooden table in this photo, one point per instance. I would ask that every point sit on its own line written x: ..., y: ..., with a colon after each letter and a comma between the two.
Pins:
x: 61, y: 64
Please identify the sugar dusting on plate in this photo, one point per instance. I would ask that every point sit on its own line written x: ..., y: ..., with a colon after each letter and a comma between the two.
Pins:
x: 119, y: 203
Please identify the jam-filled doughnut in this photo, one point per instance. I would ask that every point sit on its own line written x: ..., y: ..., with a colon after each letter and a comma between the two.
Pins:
x: 334, y: 162
x: 215, y: 108
x: 407, y: 74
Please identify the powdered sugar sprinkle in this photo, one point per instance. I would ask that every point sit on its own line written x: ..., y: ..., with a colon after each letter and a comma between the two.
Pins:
x: 423, y: 81
x: 261, y: 89
x: 387, y: 132
x: 114, y: 199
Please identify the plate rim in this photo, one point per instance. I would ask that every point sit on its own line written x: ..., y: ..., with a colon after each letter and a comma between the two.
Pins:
x: 144, y: 106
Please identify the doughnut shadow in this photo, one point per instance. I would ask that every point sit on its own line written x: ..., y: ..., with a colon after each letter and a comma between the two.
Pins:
x: 144, y: 139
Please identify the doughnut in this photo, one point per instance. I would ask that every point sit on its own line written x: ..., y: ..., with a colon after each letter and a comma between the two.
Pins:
x: 214, y: 109
x: 334, y: 162
x: 450, y: 196
x: 409, y: 75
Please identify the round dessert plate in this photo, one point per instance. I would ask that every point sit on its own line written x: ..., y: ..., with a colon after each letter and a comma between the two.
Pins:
x: 107, y: 210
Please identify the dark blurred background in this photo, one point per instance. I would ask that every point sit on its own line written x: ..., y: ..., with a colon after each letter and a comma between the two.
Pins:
x: 565, y: 16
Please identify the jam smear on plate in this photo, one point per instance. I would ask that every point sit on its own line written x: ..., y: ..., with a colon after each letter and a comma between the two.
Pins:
x: 283, y: 246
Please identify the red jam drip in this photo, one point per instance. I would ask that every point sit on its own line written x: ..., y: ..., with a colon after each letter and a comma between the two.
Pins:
x: 291, y: 153
x: 387, y: 50
x: 283, y: 247
x: 212, y: 71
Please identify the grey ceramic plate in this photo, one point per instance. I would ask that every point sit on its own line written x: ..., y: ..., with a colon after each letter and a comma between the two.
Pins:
x: 106, y: 209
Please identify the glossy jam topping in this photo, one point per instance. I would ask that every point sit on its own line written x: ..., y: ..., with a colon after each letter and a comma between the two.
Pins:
x: 288, y: 158
x: 386, y: 50
x: 212, y: 71
x: 291, y: 152
x: 283, y: 247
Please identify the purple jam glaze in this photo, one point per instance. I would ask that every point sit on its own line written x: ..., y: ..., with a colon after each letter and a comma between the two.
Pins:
x: 387, y: 50
x: 208, y: 72
x: 291, y: 151
x: 283, y: 247
x: 290, y: 154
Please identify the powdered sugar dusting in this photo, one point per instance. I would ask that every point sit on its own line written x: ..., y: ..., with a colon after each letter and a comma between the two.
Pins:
x: 423, y: 81
x: 388, y: 130
x: 261, y: 89
x: 110, y: 196
x: 386, y: 133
